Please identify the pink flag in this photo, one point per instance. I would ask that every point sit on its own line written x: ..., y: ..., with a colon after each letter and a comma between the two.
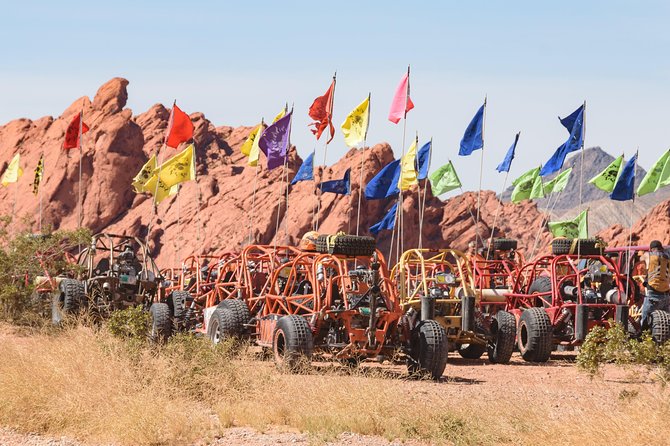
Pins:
x: 401, y: 101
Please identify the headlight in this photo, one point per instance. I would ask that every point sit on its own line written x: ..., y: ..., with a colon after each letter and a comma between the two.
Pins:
x: 445, y: 278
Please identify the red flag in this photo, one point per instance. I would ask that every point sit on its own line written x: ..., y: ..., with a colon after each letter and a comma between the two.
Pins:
x: 180, y: 128
x: 321, y: 112
x: 402, y: 103
x: 72, y: 132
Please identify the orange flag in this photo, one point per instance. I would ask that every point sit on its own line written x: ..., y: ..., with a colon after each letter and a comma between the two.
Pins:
x: 72, y: 133
x: 180, y: 128
x: 321, y: 112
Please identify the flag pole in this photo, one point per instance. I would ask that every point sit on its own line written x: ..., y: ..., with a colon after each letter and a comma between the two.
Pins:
x: 39, y: 191
x: 253, y: 197
x: 495, y: 218
x: 401, y: 229
x: 478, y: 237
x: 481, y: 173
x: 360, y: 181
x: 581, y: 175
x: 288, y: 150
x: 630, y: 227
x: 325, y: 153
x: 81, y: 143
x: 422, y: 205
x: 543, y: 221
x: 160, y: 166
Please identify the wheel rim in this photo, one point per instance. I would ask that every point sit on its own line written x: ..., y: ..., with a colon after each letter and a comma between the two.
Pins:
x: 216, y: 333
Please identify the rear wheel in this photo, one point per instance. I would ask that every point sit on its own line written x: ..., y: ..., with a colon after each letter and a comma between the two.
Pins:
x: 542, y: 285
x: 240, y: 312
x: 534, y: 335
x: 429, y: 349
x: 292, y: 343
x: 504, y: 244
x: 503, y: 332
x: 660, y: 326
x: 177, y: 303
x: 584, y: 246
x: 161, y: 322
x: 68, y: 301
x: 349, y: 245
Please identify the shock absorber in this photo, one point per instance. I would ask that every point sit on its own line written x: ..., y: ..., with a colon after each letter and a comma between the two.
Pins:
x: 374, y: 294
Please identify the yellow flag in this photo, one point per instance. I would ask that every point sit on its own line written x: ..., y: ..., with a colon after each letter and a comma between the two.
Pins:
x: 161, y: 192
x: 39, y: 173
x: 143, y: 176
x: 246, y: 147
x: 281, y: 114
x: 178, y: 169
x: 255, y: 149
x: 355, y: 127
x: 13, y: 172
x: 408, y: 169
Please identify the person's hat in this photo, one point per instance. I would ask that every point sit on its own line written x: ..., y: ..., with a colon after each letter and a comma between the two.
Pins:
x: 655, y: 244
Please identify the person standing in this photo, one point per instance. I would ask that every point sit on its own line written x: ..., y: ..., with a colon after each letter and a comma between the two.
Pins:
x: 658, y: 281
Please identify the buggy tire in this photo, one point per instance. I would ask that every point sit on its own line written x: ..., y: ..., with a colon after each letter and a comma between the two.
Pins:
x: 68, y: 301
x: 585, y: 246
x: 503, y: 333
x: 429, y: 349
x: 471, y: 351
x: 161, y: 322
x: 541, y: 284
x: 240, y: 312
x: 349, y: 245
x: 504, y: 244
x: 534, y: 335
x: 659, y: 322
x: 223, y: 325
x: 177, y: 303
x: 292, y: 343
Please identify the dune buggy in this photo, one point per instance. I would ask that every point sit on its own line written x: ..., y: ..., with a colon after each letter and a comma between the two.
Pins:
x: 438, y: 284
x: 559, y: 298
x: 119, y: 273
x: 339, y: 303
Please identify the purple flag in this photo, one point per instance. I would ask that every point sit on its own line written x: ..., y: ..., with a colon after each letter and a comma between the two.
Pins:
x: 274, y: 141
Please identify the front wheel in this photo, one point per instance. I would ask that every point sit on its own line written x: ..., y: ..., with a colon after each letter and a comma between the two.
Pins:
x: 292, y: 343
x: 503, y: 333
x: 429, y: 349
x: 534, y: 335
x: 660, y: 326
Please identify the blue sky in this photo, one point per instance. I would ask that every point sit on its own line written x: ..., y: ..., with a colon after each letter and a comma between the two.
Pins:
x: 240, y: 61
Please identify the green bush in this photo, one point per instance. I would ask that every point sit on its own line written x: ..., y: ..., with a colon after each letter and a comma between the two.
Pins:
x: 613, y: 346
x: 131, y: 323
x: 25, y: 256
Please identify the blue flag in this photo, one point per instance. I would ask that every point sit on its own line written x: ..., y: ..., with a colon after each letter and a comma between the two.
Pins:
x: 507, y: 162
x: 574, y: 123
x: 423, y: 160
x: 342, y: 187
x: 388, y: 222
x: 306, y: 171
x: 472, y: 139
x: 385, y: 183
x: 624, y: 189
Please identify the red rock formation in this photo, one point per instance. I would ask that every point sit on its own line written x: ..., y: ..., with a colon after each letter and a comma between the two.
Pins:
x: 653, y: 226
x: 214, y: 212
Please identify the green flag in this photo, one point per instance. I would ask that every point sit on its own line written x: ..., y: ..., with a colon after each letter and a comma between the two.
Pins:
x: 558, y: 183
x: 444, y: 179
x: 657, y: 177
x: 577, y: 228
x: 538, y: 189
x: 523, y: 186
x: 606, y: 179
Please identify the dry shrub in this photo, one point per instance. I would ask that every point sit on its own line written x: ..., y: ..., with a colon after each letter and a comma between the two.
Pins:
x: 93, y: 386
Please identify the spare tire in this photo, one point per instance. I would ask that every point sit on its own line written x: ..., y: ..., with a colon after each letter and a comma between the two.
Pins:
x: 584, y: 246
x: 504, y: 244
x: 348, y: 245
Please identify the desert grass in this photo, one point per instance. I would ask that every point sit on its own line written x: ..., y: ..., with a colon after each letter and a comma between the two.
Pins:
x: 89, y: 385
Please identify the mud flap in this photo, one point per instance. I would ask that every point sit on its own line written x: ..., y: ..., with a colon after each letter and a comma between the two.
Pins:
x: 581, y: 322
x: 468, y: 313
x: 621, y: 316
